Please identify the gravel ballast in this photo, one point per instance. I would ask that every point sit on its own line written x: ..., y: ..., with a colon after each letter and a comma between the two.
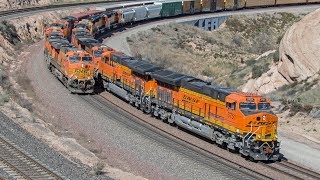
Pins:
x: 47, y: 156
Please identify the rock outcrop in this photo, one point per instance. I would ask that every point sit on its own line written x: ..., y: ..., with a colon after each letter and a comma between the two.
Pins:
x: 299, y: 54
x: 299, y: 49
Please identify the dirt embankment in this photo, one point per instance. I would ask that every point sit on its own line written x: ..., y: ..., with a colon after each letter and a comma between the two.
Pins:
x: 16, y: 102
x: 244, y: 54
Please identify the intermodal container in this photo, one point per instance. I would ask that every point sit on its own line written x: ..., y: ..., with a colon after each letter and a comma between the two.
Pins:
x: 219, y: 5
x: 290, y: 1
x: 171, y: 8
x: 188, y: 7
x: 254, y: 3
x: 238, y: 4
x: 207, y: 5
x: 197, y: 6
x: 229, y: 4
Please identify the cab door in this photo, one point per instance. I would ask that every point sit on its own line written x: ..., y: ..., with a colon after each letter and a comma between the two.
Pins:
x: 231, y: 107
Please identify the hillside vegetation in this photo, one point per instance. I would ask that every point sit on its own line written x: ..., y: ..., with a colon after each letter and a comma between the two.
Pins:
x: 229, y: 56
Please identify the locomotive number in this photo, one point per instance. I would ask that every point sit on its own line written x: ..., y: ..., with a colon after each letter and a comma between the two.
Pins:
x: 190, y: 99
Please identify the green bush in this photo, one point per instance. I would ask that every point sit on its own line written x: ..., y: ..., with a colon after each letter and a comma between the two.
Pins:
x: 257, y: 70
x: 276, y: 56
x: 4, y: 98
x: 98, y: 168
x: 250, y: 62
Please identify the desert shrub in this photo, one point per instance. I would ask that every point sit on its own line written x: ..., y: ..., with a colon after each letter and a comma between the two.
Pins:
x: 296, y: 107
x: 98, y: 168
x: 4, y: 98
x: 276, y: 56
x: 207, y: 71
x: 250, y: 62
x: 258, y: 70
x: 279, y: 39
x: 261, y: 43
x: 237, y: 39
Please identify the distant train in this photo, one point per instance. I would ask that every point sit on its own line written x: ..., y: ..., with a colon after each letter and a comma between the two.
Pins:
x: 239, y: 121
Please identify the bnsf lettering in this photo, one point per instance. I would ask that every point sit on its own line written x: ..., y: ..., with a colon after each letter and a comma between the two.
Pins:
x: 190, y: 99
x: 259, y: 123
x: 82, y: 71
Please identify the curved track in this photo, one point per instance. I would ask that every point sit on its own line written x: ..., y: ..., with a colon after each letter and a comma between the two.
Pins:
x: 293, y: 170
x: 202, y: 155
x: 216, y: 163
x: 20, y: 165
x: 16, y: 12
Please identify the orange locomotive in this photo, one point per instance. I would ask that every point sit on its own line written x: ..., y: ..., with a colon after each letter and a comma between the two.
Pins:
x: 64, y: 26
x: 128, y: 77
x: 72, y: 66
x: 82, y: 39
x: 239, y: 121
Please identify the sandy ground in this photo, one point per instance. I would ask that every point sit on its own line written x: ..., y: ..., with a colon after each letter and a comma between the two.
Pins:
x: 294, y: 147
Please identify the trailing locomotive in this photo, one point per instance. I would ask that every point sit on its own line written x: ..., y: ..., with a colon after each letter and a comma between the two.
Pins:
x: 71, y: 65
x: 235, y: 120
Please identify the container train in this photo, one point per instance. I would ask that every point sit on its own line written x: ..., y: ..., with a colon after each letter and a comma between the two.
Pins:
x: 239, y: 121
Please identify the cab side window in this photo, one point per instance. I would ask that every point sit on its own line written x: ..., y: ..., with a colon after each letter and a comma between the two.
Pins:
x: 105, y: 59
x: 231, y: 106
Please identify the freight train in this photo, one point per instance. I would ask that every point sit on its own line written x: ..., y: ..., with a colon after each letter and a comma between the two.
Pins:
x: 238, y: 121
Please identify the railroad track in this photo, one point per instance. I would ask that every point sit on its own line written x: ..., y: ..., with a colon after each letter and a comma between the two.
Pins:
x: 20, y: 165
x: 38, y: 8
x: 293, y: 170
x: 213, y: 161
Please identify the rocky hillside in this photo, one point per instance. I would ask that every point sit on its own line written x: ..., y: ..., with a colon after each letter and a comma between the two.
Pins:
x: 16, y: 4
x: 243, y: 48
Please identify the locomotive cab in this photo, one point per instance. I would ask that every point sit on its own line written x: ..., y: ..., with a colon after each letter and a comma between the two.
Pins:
x: 256, y: 122
x: 79, y: 68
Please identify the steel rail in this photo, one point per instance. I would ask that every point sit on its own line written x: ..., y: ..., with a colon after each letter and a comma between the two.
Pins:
x: 55, y: 6
x: 302, y: 170
x: 22, y: 164
x: 173, y: 142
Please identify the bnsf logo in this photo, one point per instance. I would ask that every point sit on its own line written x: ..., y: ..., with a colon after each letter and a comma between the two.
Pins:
x: 82, y: 71
x: 190, y: 99
x: 260, y: 123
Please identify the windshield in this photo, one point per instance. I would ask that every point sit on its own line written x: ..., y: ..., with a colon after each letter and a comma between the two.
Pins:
x: 57, y: 25
x: 87, y: 59
x: 264, y: 106
x: 74, y: 59
x: 248, y: 106
x: 97, y: 53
